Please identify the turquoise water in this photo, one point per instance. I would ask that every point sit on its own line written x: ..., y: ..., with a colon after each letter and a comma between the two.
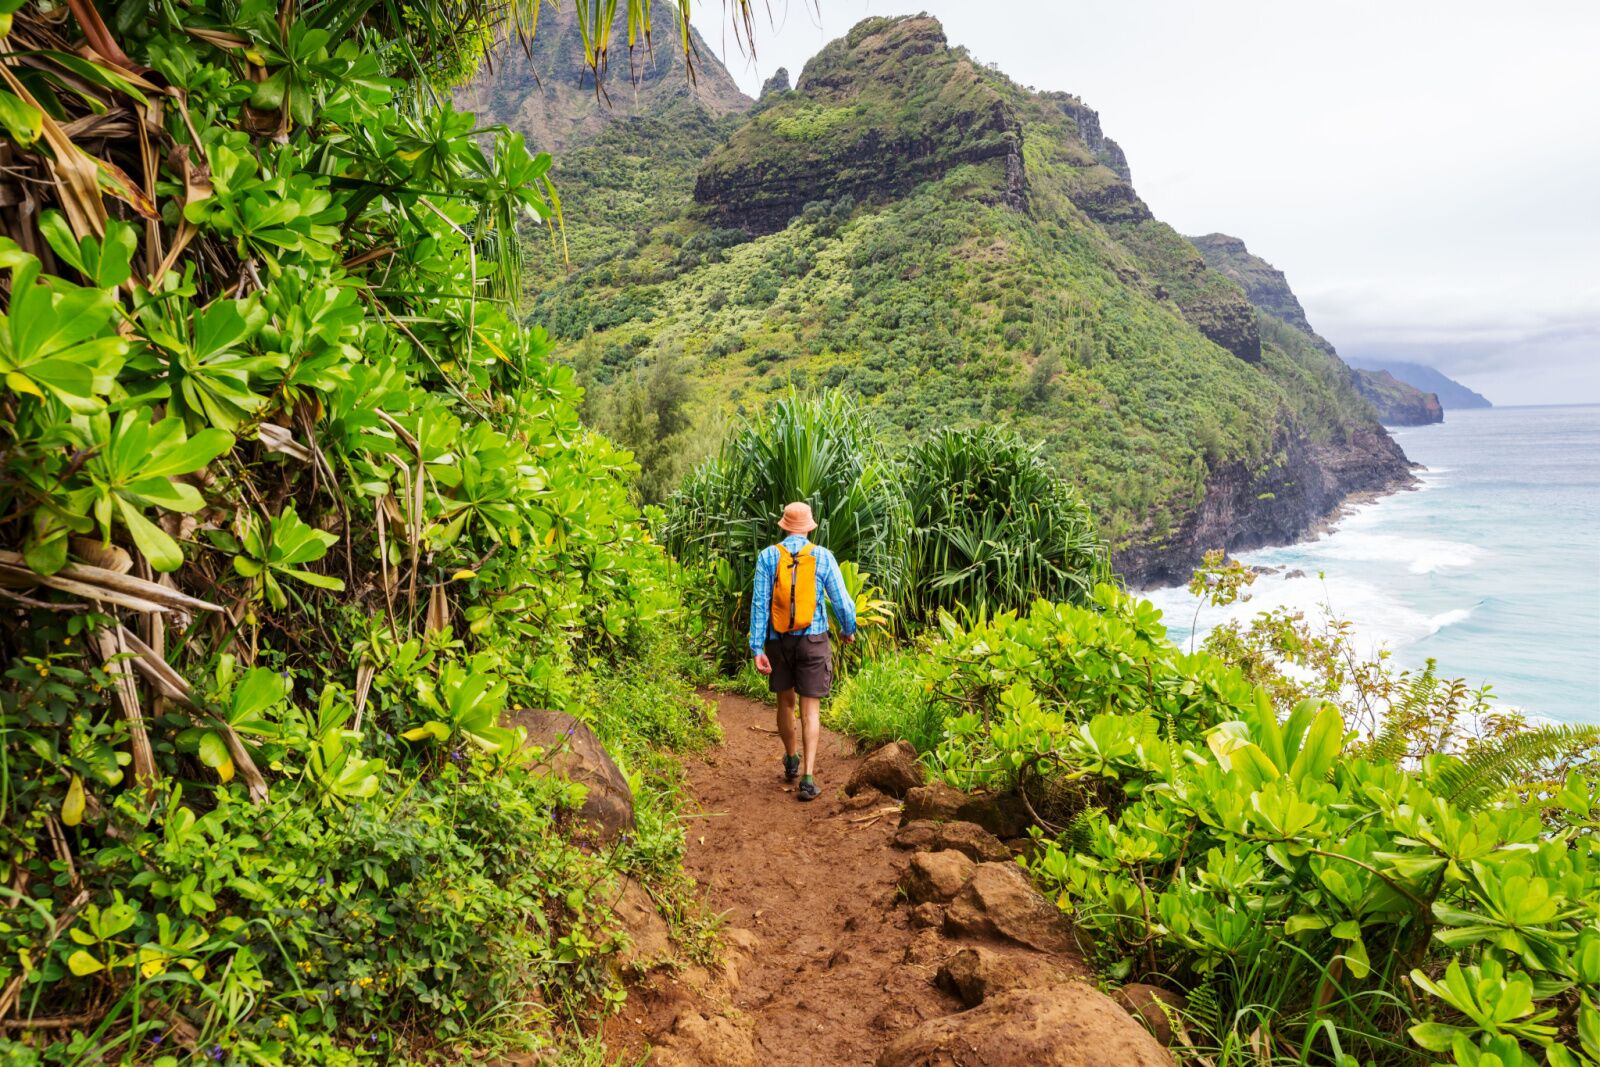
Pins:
x: 1492, y: 567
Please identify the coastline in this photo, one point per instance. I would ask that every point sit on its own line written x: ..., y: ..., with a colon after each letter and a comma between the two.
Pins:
x: 1297, y: 500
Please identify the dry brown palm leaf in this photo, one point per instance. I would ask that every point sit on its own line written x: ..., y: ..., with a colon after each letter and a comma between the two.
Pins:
x: 75, y: 173
x: 172, y: 685
x: 98, y: 583
x: 438, y: 610
x: 113, y: 655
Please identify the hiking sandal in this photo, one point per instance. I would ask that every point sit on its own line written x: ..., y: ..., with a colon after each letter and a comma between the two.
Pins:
x: 791, y: 768
x: 808, y: 791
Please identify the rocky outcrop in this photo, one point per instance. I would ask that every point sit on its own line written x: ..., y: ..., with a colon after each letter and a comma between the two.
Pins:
x: 967, y: 838
x: 570, y: 749
x: 845, y: 130
x: 1397, y: 403
x: 934, y: 802
x: 1276, y: 505
x: 547, y: 93
x: 776, y: 85
x: 1071, y: 1024
x: 1107, y: 151
x: 1264, y: 285
x: 978, y: 972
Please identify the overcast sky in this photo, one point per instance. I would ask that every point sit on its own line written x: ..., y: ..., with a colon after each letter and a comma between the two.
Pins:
x: 1427, y: 172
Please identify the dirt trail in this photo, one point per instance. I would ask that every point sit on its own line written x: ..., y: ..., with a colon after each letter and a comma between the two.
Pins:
x: 830, y: 982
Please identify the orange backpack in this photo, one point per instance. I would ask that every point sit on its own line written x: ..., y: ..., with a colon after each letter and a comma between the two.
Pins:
x: 794, y: 590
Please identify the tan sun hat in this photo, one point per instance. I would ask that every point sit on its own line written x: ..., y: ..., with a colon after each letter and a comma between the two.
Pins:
x: 797, y: 519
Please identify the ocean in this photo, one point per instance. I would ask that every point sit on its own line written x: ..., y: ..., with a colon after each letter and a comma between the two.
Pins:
x: 1491, y: 567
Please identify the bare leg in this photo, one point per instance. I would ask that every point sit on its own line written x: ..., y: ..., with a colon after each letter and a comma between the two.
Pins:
x: 811, y: 727
x: 786, y: 721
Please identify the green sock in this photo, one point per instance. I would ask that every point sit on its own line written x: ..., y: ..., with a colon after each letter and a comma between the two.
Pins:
x: 805, y: 779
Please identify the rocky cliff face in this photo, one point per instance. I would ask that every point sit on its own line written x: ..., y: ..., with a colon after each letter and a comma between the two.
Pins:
x: 548, y: 94
x: 1263, y: 284
x: 1245, y: 508
x: 874, y: 115
x: 1397, y: 403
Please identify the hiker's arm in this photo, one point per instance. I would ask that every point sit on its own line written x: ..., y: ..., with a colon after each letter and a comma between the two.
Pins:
x: 761, y: 603
x: 843, y: 606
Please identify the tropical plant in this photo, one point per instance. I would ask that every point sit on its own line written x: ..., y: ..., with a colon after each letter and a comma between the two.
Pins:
x: 821, y: 450
x: 1321, y: 901
x: 283, y: 479
x: 993, y: 528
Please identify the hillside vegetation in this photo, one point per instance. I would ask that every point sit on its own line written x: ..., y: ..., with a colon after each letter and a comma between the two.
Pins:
x: 917, y: 230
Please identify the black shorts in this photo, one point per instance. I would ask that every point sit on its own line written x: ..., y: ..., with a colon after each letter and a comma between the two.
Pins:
x: 803, y: 663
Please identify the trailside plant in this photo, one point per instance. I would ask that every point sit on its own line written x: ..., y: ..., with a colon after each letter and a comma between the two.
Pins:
x: 993, y: 527
x: 1321, y: 899
x: 291, y: 508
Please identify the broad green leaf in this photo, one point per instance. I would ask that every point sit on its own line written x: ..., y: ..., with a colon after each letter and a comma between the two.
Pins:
x: 81, y: 964
x: 22, y: 121
x: 162, y: 551
x: 1324, y: 741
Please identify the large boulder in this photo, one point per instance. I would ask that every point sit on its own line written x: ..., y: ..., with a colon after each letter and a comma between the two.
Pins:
x: 978, y: 972
x: 1067, y: 1025
x: 571, y: 750
x: 1153, y: 1006
x: 998, y: 902
x: 892, y: 770
x: 935, y: 801
x: 936, y: 876
x: 1004, y: 815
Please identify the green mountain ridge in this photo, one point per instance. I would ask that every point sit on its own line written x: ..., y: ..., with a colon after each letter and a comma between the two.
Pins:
x: 1452, y: 394
x: 917, y: 229
x: 1396, y: 402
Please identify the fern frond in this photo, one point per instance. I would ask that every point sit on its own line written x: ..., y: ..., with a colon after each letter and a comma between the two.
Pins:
x: 1392, y: 744
x: 1491, y: 770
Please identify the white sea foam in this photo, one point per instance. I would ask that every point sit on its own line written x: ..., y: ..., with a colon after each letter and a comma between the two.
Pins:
x: 1421, y: 555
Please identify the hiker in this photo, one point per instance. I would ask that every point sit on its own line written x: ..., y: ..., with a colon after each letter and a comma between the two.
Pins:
x: 789, y: 635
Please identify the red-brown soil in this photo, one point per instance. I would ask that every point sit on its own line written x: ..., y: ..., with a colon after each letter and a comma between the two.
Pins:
x: 830, y: 982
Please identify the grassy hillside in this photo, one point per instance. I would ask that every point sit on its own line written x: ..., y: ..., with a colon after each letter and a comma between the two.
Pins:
x: 918, y: 230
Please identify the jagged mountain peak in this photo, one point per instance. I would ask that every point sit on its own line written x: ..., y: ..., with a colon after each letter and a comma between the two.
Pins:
x: 548, y: 94
x: 873, y: 115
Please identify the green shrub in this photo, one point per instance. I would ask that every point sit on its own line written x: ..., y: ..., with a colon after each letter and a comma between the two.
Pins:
x: 885, y: 699
x: 994, y: 528
x: 1308, y: 890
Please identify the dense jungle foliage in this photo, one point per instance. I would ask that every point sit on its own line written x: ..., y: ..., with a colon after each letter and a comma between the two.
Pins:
x: 297, y: 517
x: 971, y: 521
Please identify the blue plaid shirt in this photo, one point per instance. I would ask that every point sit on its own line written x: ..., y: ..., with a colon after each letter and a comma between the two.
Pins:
x: 829, y: 582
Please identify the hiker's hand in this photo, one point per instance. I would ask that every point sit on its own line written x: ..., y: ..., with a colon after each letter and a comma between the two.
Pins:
x: 763, y: 664
x: 849, y: 639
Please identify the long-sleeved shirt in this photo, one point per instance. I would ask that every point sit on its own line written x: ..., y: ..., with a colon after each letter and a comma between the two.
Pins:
x: 830, y: 588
